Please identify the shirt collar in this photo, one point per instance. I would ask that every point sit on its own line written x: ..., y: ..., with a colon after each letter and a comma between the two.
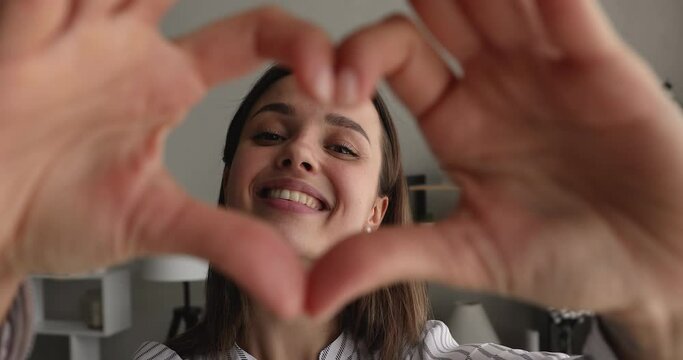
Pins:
x: 343, y: 347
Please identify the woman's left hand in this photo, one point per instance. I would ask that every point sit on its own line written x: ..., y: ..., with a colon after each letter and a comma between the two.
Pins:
x: 568, y: 154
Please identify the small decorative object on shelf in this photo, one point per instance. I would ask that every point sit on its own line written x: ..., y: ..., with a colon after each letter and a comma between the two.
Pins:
x: 83, y: 307
x: 564, y: 323
x: 91, y: 308
x: 532, y: 340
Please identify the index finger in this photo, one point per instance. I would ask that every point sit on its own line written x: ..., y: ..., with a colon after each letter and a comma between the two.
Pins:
x: 234, y: 46
x: 395, y: 49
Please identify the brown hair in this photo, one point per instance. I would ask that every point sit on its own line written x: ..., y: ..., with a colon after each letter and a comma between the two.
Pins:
x: 385, y: 322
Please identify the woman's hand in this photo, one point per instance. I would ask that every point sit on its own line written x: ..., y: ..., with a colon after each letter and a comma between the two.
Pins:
x: 568, y: 155
x: 88, y: 92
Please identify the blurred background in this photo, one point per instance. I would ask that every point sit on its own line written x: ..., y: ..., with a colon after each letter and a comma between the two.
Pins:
x: 108, y: 314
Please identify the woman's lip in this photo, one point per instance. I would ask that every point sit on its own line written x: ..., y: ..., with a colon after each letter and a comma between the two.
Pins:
x: 296, y: 185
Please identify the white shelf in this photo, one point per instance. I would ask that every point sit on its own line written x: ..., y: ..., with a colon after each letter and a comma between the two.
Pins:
x: 114, y: 288
x: 85, y: 276
x: 66, y: 327
x: 436, y: 187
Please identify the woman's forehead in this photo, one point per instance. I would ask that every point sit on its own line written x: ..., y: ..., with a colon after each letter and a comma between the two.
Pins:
x: 287, y: 91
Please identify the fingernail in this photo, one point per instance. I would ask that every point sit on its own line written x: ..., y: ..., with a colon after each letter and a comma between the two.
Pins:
x: 323, y: 86
x: 347, y: 87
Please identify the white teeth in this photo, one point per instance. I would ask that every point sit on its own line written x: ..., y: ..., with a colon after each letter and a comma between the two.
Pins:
x: 295, y: 196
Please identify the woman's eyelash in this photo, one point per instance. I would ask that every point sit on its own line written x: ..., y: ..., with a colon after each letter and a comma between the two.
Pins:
x: 268, y: 136
x: 343, y: 149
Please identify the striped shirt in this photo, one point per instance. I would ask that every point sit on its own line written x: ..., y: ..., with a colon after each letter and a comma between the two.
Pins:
x: 437, y: 344
x: 16, y: 336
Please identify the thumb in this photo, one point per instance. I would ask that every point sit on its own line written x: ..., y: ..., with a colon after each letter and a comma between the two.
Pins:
x: 169, y: 221
x: 444, y: 252
x: 25, y: 25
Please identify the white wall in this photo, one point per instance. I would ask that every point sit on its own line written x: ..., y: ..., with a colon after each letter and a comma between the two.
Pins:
x: 194, y: 150
x: 193, y: 153
x: 654, y: 28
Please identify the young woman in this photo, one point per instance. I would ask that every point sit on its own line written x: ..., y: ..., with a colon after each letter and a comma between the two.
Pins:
x: 318, y: 175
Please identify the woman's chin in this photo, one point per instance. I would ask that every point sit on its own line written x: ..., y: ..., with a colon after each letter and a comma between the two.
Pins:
x: 307, y: 261
x: 306, y: 253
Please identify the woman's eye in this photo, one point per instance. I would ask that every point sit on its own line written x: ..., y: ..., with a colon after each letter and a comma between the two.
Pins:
x: 267, y: 136
x: 343, y: 149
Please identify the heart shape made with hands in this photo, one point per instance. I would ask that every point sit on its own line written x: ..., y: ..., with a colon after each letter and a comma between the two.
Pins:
x: 536, y: 135
x: 558, y: 136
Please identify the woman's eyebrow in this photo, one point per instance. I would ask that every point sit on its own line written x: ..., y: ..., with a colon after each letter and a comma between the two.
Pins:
x: 278, y: 107
x: 331, y: 119
x: 343, y: 121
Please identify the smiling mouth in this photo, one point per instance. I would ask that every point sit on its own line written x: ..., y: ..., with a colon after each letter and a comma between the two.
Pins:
x: 294, y: 196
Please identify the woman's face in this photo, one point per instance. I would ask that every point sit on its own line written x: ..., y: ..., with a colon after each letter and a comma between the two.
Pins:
x: 310, y: 170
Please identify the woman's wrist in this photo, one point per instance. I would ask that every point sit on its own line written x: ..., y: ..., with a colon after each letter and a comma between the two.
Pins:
x: 648, y: 332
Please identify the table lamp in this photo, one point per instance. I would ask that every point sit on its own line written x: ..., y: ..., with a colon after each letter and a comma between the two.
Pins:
x: 177, y: 269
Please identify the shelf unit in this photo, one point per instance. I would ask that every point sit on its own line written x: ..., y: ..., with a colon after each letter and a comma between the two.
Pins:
x: 84, y: 343
x: 417, y: 192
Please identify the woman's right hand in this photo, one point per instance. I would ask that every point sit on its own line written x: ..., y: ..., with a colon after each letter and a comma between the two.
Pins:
x: 88, y: 92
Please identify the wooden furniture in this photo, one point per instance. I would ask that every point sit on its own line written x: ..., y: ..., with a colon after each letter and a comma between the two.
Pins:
x: 418, y: 189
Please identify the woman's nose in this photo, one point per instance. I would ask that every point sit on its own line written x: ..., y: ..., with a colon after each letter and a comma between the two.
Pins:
x: 296, y: 156
x: 286, y: 162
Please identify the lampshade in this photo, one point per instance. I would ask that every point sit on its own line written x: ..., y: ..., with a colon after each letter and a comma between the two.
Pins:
x: 470, y: 325
x: 174, y: 269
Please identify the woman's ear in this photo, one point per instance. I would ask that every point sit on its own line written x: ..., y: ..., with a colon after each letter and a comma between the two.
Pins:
x: 379, y: 208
